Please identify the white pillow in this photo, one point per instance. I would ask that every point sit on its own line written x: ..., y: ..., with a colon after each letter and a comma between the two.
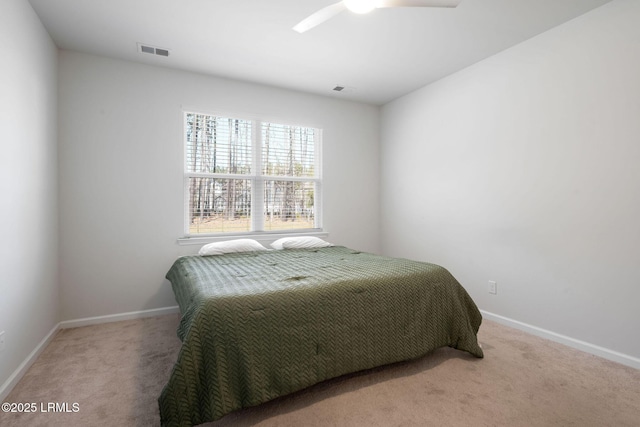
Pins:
x: 230, y: 246
x: 301, y: 242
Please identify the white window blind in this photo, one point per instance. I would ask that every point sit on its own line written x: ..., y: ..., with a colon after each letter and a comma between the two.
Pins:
x: 250, y: 176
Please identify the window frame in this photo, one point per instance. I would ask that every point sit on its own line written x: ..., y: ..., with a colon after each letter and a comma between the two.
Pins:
x: 257, y: 180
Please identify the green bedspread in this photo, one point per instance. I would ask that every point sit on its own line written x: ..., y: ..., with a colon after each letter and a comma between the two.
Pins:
x: 259, y: 325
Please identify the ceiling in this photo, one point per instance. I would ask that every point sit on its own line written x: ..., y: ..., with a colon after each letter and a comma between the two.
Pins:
x: 378, y: 57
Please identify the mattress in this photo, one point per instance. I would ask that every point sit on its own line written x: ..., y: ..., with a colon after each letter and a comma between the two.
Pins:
x: 259, y: 325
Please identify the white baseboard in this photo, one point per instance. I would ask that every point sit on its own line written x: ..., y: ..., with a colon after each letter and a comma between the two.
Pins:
x: 118, y: 317
x: 31, y: 358
x: 596, y: 350
x: 17, y: 375
x: 11, y: 382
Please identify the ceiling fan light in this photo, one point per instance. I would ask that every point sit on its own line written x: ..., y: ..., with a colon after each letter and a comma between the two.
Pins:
x: 360, y: 6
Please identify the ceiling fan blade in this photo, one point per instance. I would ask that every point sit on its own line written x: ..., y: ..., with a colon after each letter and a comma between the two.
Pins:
x: 417, y: 3
x: 319, y: 17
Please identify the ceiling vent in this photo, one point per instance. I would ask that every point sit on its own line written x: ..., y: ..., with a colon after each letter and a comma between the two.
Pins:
x: 145, y: 48
x: 344, y: 89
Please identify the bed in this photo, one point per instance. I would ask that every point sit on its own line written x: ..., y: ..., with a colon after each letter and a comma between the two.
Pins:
x: 259, y: 325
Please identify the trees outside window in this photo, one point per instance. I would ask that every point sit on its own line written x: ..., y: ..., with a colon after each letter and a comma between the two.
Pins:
x: 247, y: 175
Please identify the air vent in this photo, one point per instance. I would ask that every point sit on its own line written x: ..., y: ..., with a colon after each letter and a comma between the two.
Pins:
x: 344, y: 89
x: 153, y: 50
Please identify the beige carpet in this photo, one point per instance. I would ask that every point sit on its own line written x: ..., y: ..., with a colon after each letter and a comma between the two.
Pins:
x: 114, y: 372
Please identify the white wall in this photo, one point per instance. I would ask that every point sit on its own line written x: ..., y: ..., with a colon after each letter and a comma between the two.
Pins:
x: 524, y: 169
x: 121, y: 157
x: 29, y: 303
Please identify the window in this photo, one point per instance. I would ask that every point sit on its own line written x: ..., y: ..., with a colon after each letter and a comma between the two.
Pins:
x: 250, y: 176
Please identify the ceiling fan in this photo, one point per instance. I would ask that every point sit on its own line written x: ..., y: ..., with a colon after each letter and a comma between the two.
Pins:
x: 366, y: 6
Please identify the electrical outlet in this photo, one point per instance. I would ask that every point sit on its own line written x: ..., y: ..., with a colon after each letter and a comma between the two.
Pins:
x: 493, y: 287
x: 1, y: 341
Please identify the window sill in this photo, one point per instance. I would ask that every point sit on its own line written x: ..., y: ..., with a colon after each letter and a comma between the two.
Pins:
x: 261, y: 237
